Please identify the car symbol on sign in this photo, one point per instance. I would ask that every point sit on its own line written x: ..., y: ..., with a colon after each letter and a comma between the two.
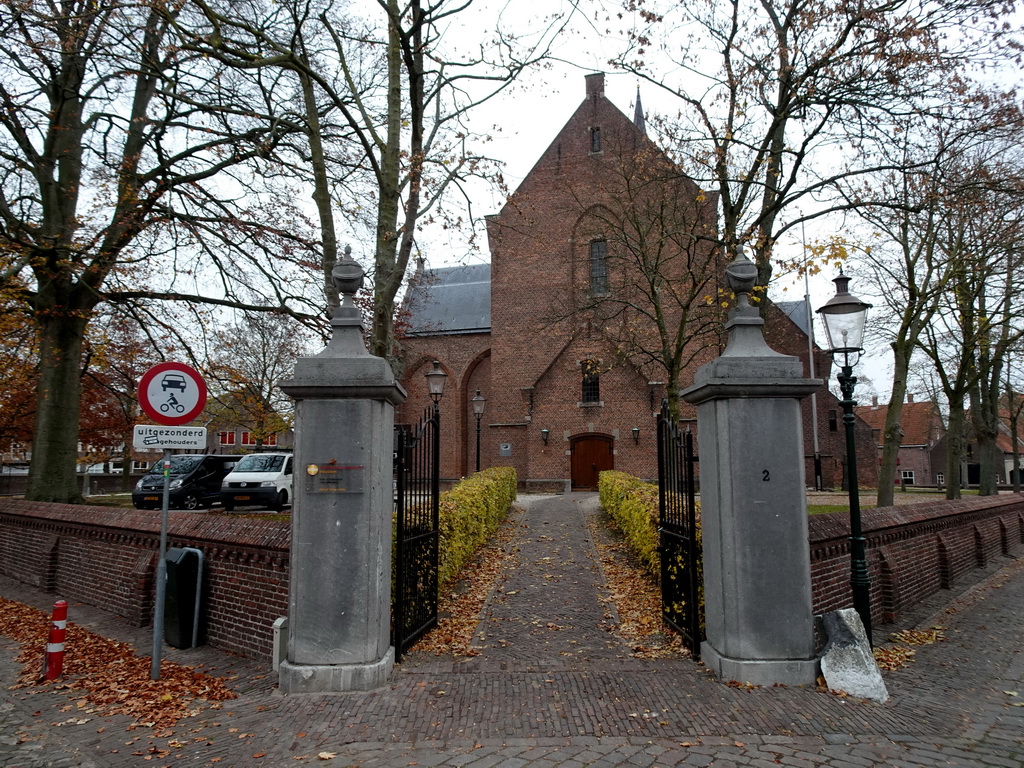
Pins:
x: 173, y: 381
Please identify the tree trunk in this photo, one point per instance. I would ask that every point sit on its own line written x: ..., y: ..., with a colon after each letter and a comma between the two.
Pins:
x: 892, y: 435
x: 52, y: 475
x: 321, y: 192
x: 954, y: 449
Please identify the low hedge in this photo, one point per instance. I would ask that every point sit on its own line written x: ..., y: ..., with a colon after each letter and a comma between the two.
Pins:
x: 470, y: 513
x: 633, y: 505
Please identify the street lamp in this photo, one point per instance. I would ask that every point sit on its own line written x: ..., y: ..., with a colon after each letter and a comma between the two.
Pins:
x: 844, y: 317
x: 479, y: 401
x: 435, y: 383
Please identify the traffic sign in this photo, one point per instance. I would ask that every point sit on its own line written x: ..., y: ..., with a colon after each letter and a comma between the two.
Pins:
x: 172, y: 393
x: 146, y: 437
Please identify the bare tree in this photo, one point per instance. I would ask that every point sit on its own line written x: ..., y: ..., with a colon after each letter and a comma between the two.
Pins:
x: 383, y: 101
x: 651, y: 286
x: 909, y: 270
x: 246, y: 361
x: 125, y: 161
x: 780, y: 98
x: 978, y: 321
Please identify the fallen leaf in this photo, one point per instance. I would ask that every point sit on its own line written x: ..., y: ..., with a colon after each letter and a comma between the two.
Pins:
x: 327, y: 755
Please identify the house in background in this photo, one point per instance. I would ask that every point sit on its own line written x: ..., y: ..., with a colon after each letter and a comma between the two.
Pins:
x: 922, y: 454
x: 565, y: 397
x: 239, y: 440
x: 1011, y: 441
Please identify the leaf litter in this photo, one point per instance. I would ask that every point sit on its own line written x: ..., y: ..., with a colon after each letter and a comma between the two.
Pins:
x: 107, y: 675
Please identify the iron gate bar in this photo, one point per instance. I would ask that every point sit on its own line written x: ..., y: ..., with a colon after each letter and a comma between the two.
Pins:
x: 417, y: 489
x: 678, y: 546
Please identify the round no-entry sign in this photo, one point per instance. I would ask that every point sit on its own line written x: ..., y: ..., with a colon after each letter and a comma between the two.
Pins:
x: 172, y: 393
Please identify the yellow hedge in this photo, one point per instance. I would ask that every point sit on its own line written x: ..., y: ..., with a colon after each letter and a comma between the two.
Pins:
x: 633, y: 505
x: 469, y: 514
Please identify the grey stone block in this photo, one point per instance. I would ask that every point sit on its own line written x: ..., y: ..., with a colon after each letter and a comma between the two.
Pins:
x: 847, y: 663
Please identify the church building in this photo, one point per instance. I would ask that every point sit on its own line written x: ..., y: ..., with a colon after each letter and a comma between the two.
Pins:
x: 601, y: 299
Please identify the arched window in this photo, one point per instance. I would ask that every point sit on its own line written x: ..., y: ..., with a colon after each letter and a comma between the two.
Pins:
x: 591, y: 384
x: 598, y: 268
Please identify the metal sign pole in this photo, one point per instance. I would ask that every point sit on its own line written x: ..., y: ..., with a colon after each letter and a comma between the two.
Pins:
x: 161, y: 574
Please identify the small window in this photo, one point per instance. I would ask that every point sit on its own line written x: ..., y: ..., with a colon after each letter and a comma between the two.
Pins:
x: 940, y: 478
x: 598, y: 268
x: 907, y: 476
x: 226, y: 438
x: 591, y: 386
x: 595, y: 139
x: 248, y: 439
x: 833, y: 422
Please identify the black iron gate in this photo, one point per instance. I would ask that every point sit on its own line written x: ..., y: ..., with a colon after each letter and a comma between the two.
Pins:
x: 417, y: 473
x: 679, y: 545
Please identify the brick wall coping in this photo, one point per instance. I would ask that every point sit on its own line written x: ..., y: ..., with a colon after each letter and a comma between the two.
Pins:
x: 836, y: 525
x: 270, y: 535
x: 276, y: 535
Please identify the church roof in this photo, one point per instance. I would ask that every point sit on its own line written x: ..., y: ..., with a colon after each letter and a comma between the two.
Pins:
x: 450, y: 300
x: 797, y: 312
x: 639, y: 120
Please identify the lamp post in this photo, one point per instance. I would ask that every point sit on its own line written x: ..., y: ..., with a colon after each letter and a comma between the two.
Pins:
x: 479, y: 401
x: 844, y: 317
x: 435, y: 383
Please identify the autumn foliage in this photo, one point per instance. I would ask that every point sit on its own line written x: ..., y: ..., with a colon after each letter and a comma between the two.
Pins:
x: 633, y: 505
x: 470, y: 513
x: 107, y: 676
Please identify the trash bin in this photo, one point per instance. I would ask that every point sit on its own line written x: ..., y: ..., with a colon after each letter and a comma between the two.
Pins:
x: 181, y: 598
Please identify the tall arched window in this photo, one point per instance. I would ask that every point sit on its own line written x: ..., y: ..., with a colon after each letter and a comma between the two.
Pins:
x: 590, y: 391
x: 598, y: 268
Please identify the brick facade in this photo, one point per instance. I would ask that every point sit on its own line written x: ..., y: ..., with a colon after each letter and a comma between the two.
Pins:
x: 108, y: 557
x: 528, y: 360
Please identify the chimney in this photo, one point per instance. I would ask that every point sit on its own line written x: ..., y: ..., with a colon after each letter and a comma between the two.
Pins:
x: 910, y: 397
x: 595, y: 85
x: 874, y: 401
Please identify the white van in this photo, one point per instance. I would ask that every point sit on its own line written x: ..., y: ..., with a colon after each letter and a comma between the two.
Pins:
x: 261, y: 479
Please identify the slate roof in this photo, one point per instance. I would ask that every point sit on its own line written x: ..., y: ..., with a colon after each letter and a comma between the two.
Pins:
x: 797, y: 312
x: 450, y: 300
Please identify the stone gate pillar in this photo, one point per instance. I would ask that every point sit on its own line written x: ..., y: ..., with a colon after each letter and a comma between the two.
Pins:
x: 339, y: 599
x: 757, y: 573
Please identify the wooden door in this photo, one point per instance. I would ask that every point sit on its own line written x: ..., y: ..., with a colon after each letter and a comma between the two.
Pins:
x: 590, y: 455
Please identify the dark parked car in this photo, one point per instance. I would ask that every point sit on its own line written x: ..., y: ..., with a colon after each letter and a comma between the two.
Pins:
x: 195, y: 482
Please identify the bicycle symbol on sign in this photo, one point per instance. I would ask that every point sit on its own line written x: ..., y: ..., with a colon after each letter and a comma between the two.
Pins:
x: 172, y: 402
x: 172, y: 381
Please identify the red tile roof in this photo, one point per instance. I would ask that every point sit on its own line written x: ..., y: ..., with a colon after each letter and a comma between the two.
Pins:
x: 921, y: 422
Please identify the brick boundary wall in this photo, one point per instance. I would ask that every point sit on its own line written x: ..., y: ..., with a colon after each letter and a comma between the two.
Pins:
x: 107, y: 557
x: 913, y: 551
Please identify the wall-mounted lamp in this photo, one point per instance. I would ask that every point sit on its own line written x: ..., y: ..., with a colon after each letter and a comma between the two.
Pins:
x: 544, y: 434
x: 636, y: 435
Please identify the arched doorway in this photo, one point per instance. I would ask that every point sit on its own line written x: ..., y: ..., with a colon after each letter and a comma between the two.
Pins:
x: 591, y: 454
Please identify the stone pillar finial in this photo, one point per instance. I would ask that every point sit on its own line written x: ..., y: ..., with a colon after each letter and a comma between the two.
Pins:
x: 347, y: 320
x: 746, y: 338
x: 348, y: 277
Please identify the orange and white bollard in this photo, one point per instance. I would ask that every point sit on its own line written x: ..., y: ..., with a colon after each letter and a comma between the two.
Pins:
x: 53, y: 661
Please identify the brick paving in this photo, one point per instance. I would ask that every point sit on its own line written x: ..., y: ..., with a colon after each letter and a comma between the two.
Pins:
x: 553, y: 686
